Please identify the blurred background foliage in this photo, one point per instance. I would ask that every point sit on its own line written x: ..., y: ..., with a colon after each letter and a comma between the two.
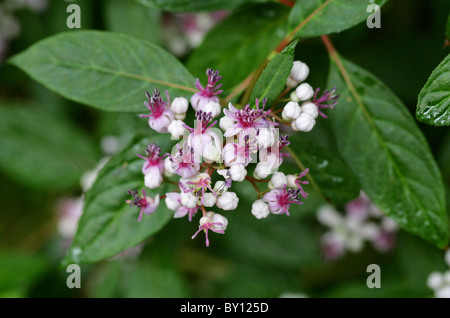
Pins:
x: 55, y: 140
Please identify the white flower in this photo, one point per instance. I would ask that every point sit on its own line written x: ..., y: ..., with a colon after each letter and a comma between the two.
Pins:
x: 278, y: 181
x: 179, y: 105
x: 304, y: 122
x: 188, y: 200
x: 228, y: 201
x: 291, y: 111
x: 304, y: 91
x: 176, y: 128
x: 209, y: 199
x: 311, y: 109
x: 238, y: 172
x: 260, y: 209
x: 213, y: 108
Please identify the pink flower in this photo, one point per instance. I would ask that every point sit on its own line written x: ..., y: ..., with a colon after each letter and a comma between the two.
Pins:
x: 183, y: 163
x: 322, y: 101
x: 299, y: 182
x: 160, y: 115
x: 214, y: 222
x: 207, y: 94
x: 199, y: 186
x: 280, y: 200
x: 147, y: 204
x: 247, y: 120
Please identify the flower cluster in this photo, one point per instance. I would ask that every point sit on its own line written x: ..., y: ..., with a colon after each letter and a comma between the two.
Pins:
x: 305, y: 104
x: 185, y: 31
x: 362, y: 222
x: 208, y: 160
x: 440, y: 282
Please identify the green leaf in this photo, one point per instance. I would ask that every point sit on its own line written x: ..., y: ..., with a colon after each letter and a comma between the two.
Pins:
x: 381, y: 143
x: 20, y: 270
x: 273, y: 79
x: 43, y: 150
x: 328, y: 174
x: 106, y: 70
x: 240, y: 43
x: 194, y: 5
x: 109, y: 225
x: 319, y: 17
x: 433, y: 106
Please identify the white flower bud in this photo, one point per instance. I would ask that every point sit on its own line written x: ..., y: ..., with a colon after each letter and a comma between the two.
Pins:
x: 290, y: 83
x: 262, y: 170
x: 290, y: 181
x: 266, y: 138
x: 153, y: 180
x: 213, y: 108
x: 369, y: 230
x: 188, y: 200
x: 172, y: 204
x: 447, y: 257
x: 390, y: 225
x: 447, y: 277
x: 209, y: 199
x: 205, y: 219
x: 294, y: 97
x: 218, y: 218
x: 211, y: 154
x: 278, y: 181
x: 311, y: 109
x: 177, y: 129
x: 291, y: 111
x: 226, y: 122
x: 179, y: 105
x: 228, y: 201
x: 443, y: 292
x: 299, y: 71
x: 180, y: 116
x: 238, y: 172
x: 304, y: 122
x: 354, y: 243
x: 304, y: 91
x: 260, y: 209
x: 220, y: 187
x: 328, y: 216
x: 435, y: 280
x: 168, y: 170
